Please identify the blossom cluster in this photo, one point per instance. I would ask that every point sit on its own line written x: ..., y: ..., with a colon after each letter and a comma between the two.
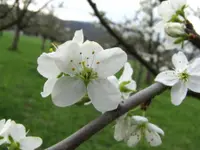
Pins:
x: 81, y: 72
x: 14, y: 136
x: 174, y: 21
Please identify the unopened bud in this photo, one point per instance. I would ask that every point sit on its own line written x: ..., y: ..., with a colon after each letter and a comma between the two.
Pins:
x: 175, y: 29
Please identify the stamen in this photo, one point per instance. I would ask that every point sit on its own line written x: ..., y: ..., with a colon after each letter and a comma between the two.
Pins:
x: 97, y: 62
x: 54, y: 45
x: 73, y: 69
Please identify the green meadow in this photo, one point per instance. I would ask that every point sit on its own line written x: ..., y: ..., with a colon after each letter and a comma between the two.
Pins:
x: 20, y: 100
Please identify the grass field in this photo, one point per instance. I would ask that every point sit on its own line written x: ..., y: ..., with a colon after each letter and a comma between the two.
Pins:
x: 20, y: 87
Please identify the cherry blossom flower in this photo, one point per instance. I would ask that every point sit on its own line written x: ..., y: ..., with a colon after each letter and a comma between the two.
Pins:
x: 47, y: 67
x: 185, y: 76
x: 83, y: 68
x: 125, y: 83
x: 141, y: 127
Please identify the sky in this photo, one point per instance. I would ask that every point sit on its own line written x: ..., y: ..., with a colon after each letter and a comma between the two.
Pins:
x: 116, y: 10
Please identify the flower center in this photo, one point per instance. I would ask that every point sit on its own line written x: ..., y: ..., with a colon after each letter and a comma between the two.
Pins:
x: 87, y: 74
x: 184, y: 76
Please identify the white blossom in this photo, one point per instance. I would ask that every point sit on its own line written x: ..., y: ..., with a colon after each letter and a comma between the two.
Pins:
x: 83, y: 69
x: 18, y: 135
x: 4, y: 130
x: 121, y: 128
x: 174, y: 29
x: 125, y: 83
x: 185, y: 76
x: 48, y: 68
x: 168, y: 8
x: 141, y: 127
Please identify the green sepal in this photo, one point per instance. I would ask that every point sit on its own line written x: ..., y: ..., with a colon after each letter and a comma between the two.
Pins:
x: 84, y: 100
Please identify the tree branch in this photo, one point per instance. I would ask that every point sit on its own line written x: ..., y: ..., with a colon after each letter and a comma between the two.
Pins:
x: 120, y: 40
x: 9, y: 10
x: 82, y: 135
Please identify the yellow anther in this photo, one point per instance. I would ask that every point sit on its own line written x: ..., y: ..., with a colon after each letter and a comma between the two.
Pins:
x: 98, y: 62
x: 73, y: 69
x: 51, y: 50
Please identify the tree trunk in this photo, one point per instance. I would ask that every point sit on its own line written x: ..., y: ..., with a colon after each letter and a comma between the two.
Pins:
x: 15, y: 41
x: 43, y: 43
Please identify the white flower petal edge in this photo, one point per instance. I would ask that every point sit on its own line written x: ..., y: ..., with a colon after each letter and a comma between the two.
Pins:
x: 127, y: 73
x: 180, y: 61
x: 30, y: 143
x: 18, y: 133
x: 153, y: 127
x: 153, y: 138
x: 194, y: 84
x: 178, y: 93
x: 121, y: 127
x: 168, y: 78
x: 185, y: 76
x: 46, y: 66
x: 104, y: 95
x: 108, y: 60
x: 78, y: 37
x: 48, y: 87
x: 68, y: 91
x: 139, y: 119
x: 141, y: 127
x: 134, y: 139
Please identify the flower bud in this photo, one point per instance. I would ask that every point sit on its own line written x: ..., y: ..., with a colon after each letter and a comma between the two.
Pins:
x: 174, y: 29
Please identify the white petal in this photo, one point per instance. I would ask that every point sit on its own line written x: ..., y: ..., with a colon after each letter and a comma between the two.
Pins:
x: 132, y: 85
x: 194, y: 83
x: 104, y: 95
x: 2, y: 123
x: 134, y: 138
x: 169, y: 43
x: 17, y: 132
x: 89, y: 50
x: 193, y: 68
x: 68, y: 91
x: 177, y: 4
x: 8, y: 124
x: 78, y: 37
x: 48, y: 87
x: 180, y: 61
x: 154, y: 128
x: 110, y: 61
x: 165, y: 10
x: 168, y: 78
x: 139, y: 119
x: 114, y: 81
x: 153, y: 138
x: 69, y: 59
x: 178, y: 93
x: 46, y: 66
x: 127, y: 73
x: 120, y: 129
x: 30, y: 143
